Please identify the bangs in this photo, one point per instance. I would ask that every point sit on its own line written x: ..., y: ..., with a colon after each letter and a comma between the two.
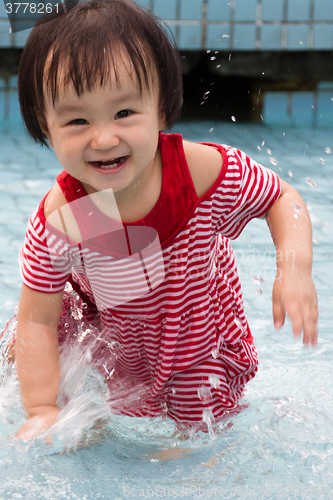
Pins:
x: 84, y: 65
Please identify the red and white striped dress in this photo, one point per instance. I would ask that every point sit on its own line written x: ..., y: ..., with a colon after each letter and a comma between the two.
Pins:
x: 186, y: 341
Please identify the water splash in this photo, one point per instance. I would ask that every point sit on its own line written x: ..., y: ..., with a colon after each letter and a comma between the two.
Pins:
x: 310, y: 182
x: 214, y: 380
x: 208, y: 419
x: 204, y: 393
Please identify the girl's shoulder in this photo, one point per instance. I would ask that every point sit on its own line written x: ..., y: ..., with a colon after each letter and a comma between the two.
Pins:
x: 59, y: 215
x: 54, y: 200
x: 205, y: 164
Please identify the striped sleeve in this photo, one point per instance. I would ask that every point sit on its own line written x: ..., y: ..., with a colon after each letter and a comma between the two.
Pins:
x: 40, y: 270
x: 248, y: 190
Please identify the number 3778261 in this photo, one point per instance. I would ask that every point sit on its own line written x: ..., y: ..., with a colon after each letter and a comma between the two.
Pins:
x: 30, y: 8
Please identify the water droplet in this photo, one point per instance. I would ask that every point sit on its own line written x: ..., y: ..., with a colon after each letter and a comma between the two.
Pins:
x: 259, y: 148
x: 328, y: 150
x: 213, y: 58
x: 66, y: 325
x: 273, y: 161
x: 311, y: 182
x: 214, y: 380
x: 322, y: 161
x: 269, y: 151
x: 233, y: 118
x: 315, y: 241
x: 154, y: 460
x: 84, y: 305
x: 257, y: 279
x: 208, y: 51
x: 225, y: 36
x: 263, y: 143
x: 218, y: 65
x: 211, y: 129
x: 301, y: 43
x: 215, y: 352
x: 259, y: 292
x: 204, y: 393
x: 297, y: 208
x: 173, y: 390
x: 290, y: 173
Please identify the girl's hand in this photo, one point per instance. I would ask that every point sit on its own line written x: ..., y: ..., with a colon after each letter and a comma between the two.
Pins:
x: 36, y: 425
x: 294, y: 294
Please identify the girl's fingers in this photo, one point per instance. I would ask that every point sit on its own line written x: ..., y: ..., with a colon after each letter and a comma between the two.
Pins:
x: 279, y: 314
x: 311, y: 328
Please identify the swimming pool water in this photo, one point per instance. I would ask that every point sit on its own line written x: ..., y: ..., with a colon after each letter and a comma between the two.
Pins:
x: 278, y: 446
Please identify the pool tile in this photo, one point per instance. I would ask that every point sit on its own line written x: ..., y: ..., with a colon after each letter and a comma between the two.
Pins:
x: 302, y: 108
x: 191, y: 10
x: 246, y: 10
x: 3, y: 12
x: 297, y: 37
x: 299, y: 10
x: 275, y: 108
x: 272, y: 10
x: 190, y: 37
x: 325, y: 109
x: 323, y: 36
x: 218, y: 11
x: 144, y: 3
x: 21, y: 38
x: 271, y: 37
x: 323, y: 10
x: 5, y: 36
x: 165, y: 10
x: 218, y: 36
x: 244, y: 37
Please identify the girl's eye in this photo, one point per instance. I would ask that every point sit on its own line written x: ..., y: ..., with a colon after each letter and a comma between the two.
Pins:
x: 123, y: 114
x: 78, y: 121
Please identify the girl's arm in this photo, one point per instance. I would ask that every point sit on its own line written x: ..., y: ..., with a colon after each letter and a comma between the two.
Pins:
x: 37, y: 359
x: 294, y: 292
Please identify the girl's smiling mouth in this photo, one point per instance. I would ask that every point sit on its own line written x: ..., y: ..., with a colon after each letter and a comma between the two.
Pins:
x: 106, y: 166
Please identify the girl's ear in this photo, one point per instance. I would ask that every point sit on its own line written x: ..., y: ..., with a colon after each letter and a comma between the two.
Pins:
x: 43, y: 126
x: 162, y: 121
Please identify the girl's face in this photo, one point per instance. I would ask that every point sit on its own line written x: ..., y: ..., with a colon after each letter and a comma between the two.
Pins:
x: 107, y: 137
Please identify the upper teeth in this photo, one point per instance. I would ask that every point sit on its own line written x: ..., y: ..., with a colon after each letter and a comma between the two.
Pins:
x: 109, y: 163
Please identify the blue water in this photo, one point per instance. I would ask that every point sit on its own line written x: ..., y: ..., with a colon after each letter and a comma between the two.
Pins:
x: 278, y: 446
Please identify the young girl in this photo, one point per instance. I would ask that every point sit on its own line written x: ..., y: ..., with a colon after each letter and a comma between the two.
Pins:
x: 99, y: 85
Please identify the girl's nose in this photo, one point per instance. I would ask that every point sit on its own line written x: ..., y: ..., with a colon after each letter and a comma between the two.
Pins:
x: 103, y: 138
